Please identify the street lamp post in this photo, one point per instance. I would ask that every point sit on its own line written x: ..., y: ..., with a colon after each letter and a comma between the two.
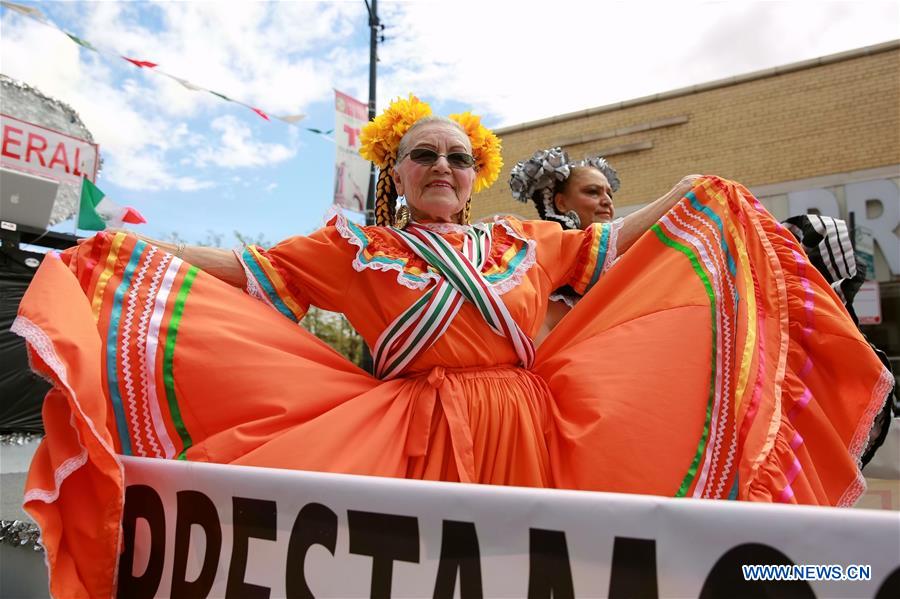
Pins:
x: 374, y: 31
x: 374, y: 26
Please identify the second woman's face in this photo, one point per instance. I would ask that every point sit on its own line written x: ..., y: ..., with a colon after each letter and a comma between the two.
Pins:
x: 435, y: 192
x: 588, y: 194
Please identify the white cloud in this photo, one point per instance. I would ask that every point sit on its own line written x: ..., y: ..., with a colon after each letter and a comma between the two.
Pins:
x: 262, y: 54
x: 512, y: 63
x: 541, y: 59
x: 132, y: 142
x: 271, y: 187
x: 150, y: 173
x: 237, y: 148
x: 265, y: 54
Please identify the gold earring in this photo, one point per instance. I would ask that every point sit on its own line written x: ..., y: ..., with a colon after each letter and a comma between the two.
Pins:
x: 402, y: 217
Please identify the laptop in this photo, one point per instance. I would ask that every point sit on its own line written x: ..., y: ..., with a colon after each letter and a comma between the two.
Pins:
x: 26, y: 199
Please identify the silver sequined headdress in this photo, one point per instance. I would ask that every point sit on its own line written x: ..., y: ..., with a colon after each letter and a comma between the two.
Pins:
x: 541, y: 176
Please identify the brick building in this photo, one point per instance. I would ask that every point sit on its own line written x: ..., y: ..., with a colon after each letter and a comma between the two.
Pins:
x: 822, y: 134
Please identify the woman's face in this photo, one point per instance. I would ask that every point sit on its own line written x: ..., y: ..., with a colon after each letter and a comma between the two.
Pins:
x: 587, y: 193
x: 436, y: 193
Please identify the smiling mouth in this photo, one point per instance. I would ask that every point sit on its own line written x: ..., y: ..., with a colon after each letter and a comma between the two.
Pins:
x: 440, y: 184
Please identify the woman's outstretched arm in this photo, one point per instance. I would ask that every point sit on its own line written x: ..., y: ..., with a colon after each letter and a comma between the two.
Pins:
x: 638, y: 222
x: 222, y: 264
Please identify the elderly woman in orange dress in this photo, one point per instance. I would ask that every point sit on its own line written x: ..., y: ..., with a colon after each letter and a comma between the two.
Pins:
x: 713, y: 313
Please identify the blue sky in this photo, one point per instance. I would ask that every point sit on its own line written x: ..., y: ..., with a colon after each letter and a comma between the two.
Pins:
x: 195, y: 165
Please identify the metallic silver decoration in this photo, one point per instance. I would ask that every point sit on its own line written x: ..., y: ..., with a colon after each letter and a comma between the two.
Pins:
x: 24, y: 102
x: 600, y: 163
x: 19, y: 438
x: 544, y: 170
x: 19, y: 533
x: 538, y: 178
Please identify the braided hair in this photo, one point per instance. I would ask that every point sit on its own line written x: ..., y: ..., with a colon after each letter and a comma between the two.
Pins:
x: 385, y: 195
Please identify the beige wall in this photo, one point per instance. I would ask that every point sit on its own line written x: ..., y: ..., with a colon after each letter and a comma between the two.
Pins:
x: 832, y: 115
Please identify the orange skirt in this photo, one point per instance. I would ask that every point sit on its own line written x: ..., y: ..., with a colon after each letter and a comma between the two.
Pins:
x: 711, y: 361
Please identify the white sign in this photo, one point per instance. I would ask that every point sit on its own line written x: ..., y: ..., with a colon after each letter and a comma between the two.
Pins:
x: 194, y: 529
x: 864, y: 248
x: 875, y: 206
x: 351, y: 171
x: 41, y: 151
x: 867, y: 303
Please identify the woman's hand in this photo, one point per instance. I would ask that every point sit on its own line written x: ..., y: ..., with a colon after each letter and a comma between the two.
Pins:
x: 685, y: 185
x: 638, y: 222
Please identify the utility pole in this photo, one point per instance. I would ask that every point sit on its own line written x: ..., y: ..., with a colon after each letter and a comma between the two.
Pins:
x: 375, y: 28
x: 374, y: 32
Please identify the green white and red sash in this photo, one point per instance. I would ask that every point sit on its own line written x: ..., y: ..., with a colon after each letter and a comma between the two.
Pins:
x: 424, y: 322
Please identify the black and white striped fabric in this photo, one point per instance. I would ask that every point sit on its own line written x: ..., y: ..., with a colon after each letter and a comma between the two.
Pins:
x: 827, y: 243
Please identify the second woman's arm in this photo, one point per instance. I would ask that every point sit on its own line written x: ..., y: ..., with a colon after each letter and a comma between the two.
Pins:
x: 638, y: 222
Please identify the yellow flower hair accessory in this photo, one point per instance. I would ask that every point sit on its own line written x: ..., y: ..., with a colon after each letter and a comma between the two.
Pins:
x: 380, y: 138
x: 485, y: 148
x: 380, y: 141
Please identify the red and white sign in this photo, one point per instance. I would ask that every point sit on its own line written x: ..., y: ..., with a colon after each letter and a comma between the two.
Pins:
x: 351, y: 171
x: 42, y: 151
x: 867, y: 303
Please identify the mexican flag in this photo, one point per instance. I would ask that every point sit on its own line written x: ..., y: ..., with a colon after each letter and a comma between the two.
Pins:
x: 96, y: 211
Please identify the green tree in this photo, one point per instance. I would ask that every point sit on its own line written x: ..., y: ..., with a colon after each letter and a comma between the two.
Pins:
x: 335, y: 330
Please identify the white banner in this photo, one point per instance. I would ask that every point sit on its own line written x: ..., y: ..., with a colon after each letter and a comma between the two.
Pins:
x: 351, y: 171
x: 41, y: 151
x: 194, y: 529
x: 867, y: 303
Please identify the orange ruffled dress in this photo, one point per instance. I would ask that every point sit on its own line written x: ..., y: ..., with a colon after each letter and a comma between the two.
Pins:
x: 711, y: 360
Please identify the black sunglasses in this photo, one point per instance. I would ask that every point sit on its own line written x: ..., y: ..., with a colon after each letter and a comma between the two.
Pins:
x: 426, y: 157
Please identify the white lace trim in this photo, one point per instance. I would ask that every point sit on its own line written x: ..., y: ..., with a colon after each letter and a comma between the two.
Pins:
x: 444, y: 228
x: 252, y: 288
x: 333, y: 210
x: 337, y: 218
x: 853, y: 492
x: 515, y: 277
x: 612, y: 255
x: 340, y: 223
x: 61, y: 473
x: 42, y: 345
x: 860, y: 439
x: 559, y: 297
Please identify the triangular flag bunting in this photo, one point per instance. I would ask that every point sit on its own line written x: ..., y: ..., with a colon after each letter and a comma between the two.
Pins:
x: 80, y: 42
x: 96, y: 211
x: 291, y: 118
x: 185, y: 83
x: 28, y: 11
x: 37, y: 15
x: 140, y: 63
